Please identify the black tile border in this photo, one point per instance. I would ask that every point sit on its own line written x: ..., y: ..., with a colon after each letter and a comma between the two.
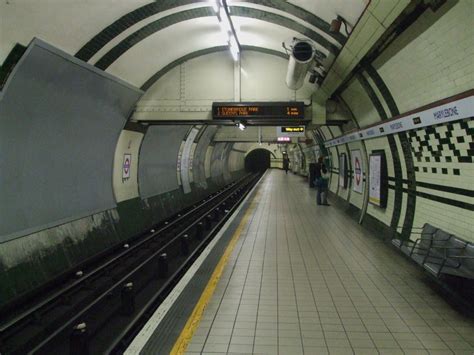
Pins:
x: 393, y: 149
x: 406, y: 150
x: 149, y: 29
x: 101, y: 39
x: 440, y: 199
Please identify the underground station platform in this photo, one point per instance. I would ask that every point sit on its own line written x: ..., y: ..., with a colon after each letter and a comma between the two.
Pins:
x: 286, y: 276
x: 237, y: 177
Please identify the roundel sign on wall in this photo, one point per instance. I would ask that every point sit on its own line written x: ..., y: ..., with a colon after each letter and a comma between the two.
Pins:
x: 357, y: 166
x: 126, y: 167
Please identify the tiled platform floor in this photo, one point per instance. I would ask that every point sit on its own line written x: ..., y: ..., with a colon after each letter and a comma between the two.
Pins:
x: 306, y: 279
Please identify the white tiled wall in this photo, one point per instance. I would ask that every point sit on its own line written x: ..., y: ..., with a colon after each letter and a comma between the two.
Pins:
x: 457, y: 173
x: 432, y: 59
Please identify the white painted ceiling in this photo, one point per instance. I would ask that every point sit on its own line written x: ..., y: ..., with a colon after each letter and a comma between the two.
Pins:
x: 70, y: 24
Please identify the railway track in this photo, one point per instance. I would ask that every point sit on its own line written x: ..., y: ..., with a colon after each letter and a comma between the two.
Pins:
x: 100, y: 306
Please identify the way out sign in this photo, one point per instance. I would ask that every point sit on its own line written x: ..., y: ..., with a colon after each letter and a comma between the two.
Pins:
x: 358, y: 183
x: 126, y: 166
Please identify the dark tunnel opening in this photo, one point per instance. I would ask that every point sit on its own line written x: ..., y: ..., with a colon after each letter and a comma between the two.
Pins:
x: 257, y: 160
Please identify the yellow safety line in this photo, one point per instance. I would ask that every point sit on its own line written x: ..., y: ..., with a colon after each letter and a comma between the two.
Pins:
x: 193, y: 321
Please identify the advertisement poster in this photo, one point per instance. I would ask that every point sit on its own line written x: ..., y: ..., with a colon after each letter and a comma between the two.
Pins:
x: 375, y: 176
x: 358, y: 179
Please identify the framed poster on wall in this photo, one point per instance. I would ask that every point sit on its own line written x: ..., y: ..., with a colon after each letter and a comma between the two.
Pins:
x: 343, y: 170
x: 358, y: 179
x: 378, y: 183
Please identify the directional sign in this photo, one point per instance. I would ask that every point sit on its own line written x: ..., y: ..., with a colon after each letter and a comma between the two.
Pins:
x: 290, y: 131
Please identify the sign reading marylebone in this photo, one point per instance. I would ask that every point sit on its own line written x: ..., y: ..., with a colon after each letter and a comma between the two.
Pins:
x: 249, y: 110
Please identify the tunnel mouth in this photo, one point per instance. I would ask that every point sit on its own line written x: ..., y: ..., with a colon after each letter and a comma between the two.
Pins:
x: 302, y: 51
x: 257, y: 160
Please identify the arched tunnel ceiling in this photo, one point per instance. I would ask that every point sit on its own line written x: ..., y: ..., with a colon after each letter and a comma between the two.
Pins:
x: 136, y: 39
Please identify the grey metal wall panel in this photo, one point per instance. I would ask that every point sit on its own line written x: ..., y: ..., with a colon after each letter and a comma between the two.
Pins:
x: 186, y: 160
x: 59, y: 123
x: 157, y: 172
x: 225, y: 168
x: 199, y: 169
x: 217, y: 163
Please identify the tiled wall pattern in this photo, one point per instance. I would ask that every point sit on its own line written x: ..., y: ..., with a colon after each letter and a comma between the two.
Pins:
x: 432, y: 59
x: 451, y: 145
x: 444, y: 156
x: 424, y: 64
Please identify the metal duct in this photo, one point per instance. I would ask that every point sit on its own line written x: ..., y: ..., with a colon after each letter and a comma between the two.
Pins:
x: 301, y: 58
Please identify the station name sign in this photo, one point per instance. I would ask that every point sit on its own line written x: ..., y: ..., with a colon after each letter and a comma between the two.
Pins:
x: 258, y: 110
x: 453, y: 111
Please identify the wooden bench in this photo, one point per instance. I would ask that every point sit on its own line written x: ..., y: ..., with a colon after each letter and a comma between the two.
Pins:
x: 439, y: 252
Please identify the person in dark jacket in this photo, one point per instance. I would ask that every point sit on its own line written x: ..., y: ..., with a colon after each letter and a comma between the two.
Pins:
x: 321, y: 182
x: 286, y: 164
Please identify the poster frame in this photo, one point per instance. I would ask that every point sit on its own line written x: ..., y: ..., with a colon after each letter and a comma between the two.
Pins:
x: 383, y: 193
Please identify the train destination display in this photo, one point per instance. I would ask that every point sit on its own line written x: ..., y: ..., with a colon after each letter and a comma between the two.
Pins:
x: 258, y: 110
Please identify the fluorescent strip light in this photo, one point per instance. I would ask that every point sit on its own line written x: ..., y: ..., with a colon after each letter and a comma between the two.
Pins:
x: 224, y: 20
x: 215, y: 5
x: 234, y: 48
x: 233, y: 42
x: 235, y: 53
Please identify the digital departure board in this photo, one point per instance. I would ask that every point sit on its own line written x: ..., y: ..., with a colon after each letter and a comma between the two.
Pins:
x: 257, y: 110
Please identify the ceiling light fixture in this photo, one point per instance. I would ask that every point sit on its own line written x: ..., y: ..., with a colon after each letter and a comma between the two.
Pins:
x: 241, y: 126
x: 227, y: 27
x: 215, y: 5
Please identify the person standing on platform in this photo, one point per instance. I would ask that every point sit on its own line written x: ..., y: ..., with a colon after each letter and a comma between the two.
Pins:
x: 321, y: 182
x: 286, y: 164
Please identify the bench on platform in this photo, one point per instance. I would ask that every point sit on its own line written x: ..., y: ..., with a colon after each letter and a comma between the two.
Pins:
x: 439, y: 252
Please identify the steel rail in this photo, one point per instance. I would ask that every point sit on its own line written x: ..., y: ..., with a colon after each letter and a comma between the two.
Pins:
x: 6, y: 325
x: 199, y: 213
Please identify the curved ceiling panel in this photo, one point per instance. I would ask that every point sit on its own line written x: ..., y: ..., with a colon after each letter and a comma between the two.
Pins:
x: 285, y: 22
x: 196, y: 13
x: 259, y: 33
x: 289, y: 10
x: 163, y: 23
x: 67, y: 24
x: 328, y: 10
x: 155, y: 52
x: 134, y: 17
x: 126, y: 21
x: 155, y: 77
x: 130, y: 29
